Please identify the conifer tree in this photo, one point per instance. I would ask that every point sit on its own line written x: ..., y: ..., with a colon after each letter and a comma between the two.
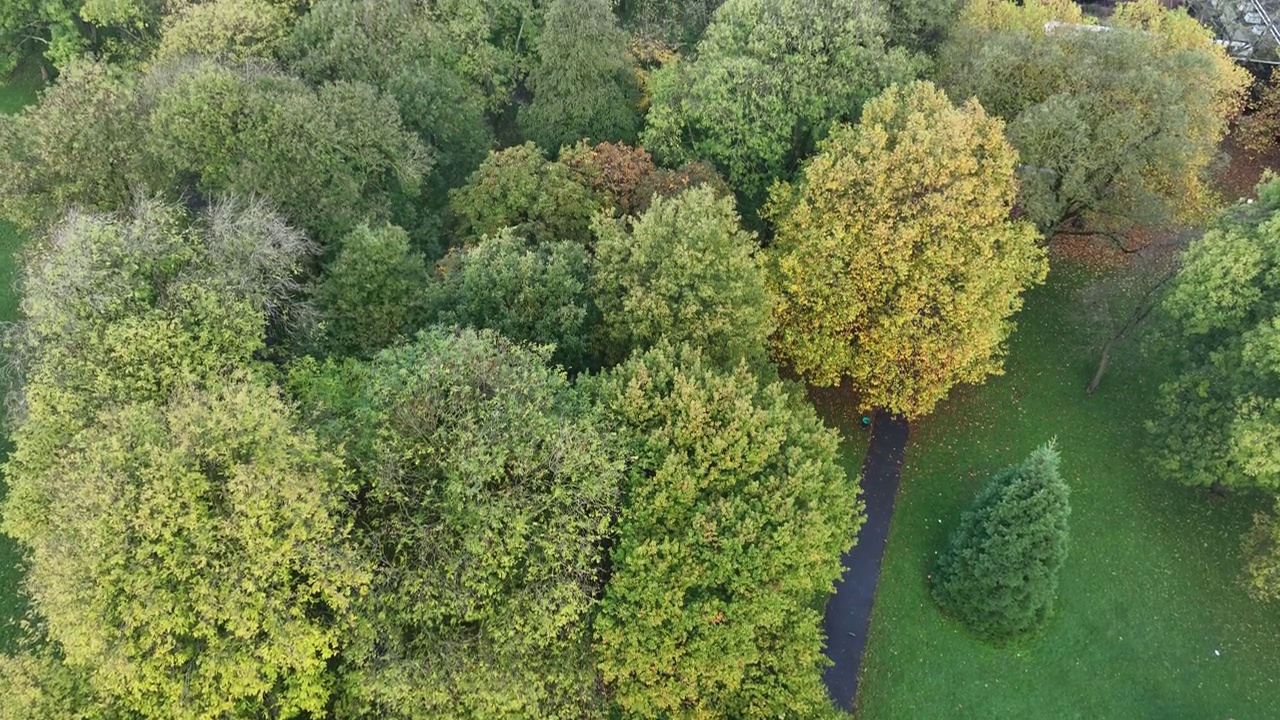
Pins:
x: 999, y: 573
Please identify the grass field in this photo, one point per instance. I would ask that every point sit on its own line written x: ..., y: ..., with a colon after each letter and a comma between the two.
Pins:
x: 1151, y: 621
x: 13, y: 96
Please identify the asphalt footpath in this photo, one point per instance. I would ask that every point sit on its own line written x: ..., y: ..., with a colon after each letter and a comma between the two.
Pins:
x: 848, y: 616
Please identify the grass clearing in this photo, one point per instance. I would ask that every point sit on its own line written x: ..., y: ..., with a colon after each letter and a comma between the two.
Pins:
x: 1151, y: 620
x: 14, y: 95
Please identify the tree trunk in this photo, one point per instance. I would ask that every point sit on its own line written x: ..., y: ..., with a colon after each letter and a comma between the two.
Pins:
x: 1102, y: 366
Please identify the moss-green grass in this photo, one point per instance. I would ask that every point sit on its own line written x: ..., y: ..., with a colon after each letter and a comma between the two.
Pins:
x: 1151, y: 620
x: 20, y: 90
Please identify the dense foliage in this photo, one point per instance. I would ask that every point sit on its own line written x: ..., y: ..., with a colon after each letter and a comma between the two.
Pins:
x: 766, y: 82
x: 1218, y: 420
x: 896, y: 265
x: 684, y: 272
x: 519, y: 188
x: 535, y: 295
x: 198, y: 127
x: 583, y: 85
x: 368, y: 367
x: 734, y: 516
x: 485, y: 496
x: 185, y: 543
x: 999, y: 572
x: 1114, y: 127
x: 395, y: 46
x: 374, y: 291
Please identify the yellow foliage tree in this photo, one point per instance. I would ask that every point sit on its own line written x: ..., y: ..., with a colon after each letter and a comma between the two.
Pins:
x: 896, y: 265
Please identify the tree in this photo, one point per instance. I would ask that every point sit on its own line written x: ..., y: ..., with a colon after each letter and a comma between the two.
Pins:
x: 685, y: 273
x: 215, y: 128
x: 111, y: 30
x: 999, y: 573
x: 76, y: 147
x: 374, y: 291
x: 896, y: 265
x: 137, y: 305
x: 767, y: 81
x: 187, y: 555
x: 531, y: 295
x: 227, y: 30
x: 734, y: 519
x: 397, y: 47
x: 584, y: 84
x: 519, y: 188
x: 184, y: 538
x: 1114, y: 127
x: 627, y: 180
x: 615, y: 172
x: 920, y: 25
x: 1217, y: 421
x: 1259, y: 128
x: 485, y: 497
x: 196, y: 128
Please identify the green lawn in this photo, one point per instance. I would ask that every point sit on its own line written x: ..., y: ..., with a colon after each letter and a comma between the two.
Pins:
x: 13, y: 96
x: 1151, y: 621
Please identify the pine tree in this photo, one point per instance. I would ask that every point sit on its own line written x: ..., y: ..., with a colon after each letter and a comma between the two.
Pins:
x: 999, y: 573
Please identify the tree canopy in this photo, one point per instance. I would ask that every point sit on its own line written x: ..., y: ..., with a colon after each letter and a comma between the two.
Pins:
x: 1114, y: 127
x: 197, y: 127
x: 518, y: 188
x: 485, y: 496
x: 1218, y: 418
x: 535, y: 295
x: 584, y: 84
x: 683, y: 272
x: 374, y: 292
x: 896, y: 265
x: 399, y: 48
x: 766, y: 82
x: 184, y: 535
x: 735, y: 514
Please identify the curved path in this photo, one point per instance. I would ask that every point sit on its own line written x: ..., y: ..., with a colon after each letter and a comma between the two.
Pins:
x: 848, y: 614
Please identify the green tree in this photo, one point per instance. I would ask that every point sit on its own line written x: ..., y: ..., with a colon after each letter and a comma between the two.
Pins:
x: 485, y: 495
x: 183, y: 535
x: 765, y: 84
x: 66, y: 30
x: 77, y: 147
x: 229, y: 30
x: 197, y: 128
x: 1114, y: 127
x: 1218, y: 418
x: 519, y: 188
x: 495, y: 41
x: 373, y: 292
x: 677, y: 23
x: 583, y: 84
x: 215, y: 128
x: 535, y: 295
x: 397, y: 47
x: 684, y: 273
x: 187, y: 555
x: 920, y: 25
x: 895, y: 264
x: 999, y: 573
x: 134, y: 306
x: 734, y: 519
